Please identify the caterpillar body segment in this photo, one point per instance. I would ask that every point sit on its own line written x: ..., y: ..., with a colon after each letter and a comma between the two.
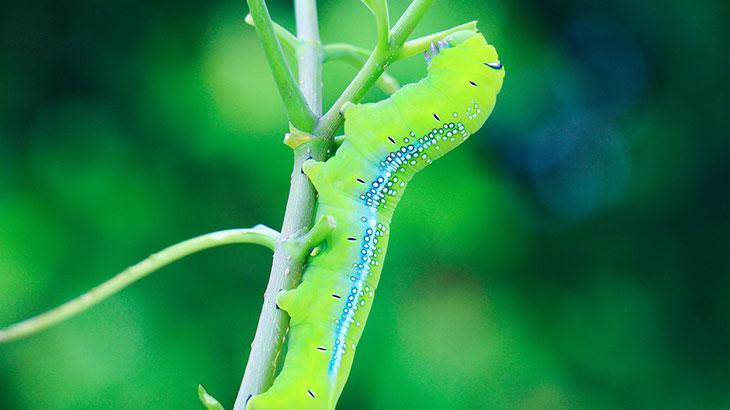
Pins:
x: 386, y: 144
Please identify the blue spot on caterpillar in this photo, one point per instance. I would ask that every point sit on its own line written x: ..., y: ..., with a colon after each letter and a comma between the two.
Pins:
x: 386, y: 144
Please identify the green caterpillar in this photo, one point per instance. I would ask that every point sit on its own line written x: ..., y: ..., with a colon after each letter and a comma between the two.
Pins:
x: 386, y: 144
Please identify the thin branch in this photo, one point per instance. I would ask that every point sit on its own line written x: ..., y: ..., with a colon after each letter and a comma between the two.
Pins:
x: 259, y: 234
x: 296, y: 106
x: 356, y: 57
x: 310, y: 54
x: 285, y: 270
x: 344, y: 51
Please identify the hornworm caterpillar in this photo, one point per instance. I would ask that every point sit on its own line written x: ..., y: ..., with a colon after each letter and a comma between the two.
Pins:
x: 386, y: 144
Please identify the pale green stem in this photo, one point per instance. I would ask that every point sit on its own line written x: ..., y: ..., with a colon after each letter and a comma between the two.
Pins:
x: 259, y: 234
x: 344, y: 51
x: 297, y: 108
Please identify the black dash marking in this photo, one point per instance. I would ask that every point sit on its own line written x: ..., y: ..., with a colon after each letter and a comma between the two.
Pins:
x: 360, y: 180
x: 310, y: 393
x: 436, y: 116
x: 351, y: 239
x: 248, y: 398
x: 472, y: 83
x: 391, y: 139
x: 321, y: 348
x: 277, y: 307
x: 336, y: 296
x: 496, y: 65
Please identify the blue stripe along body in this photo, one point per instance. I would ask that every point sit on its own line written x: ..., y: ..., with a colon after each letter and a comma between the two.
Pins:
x: 386, y: 144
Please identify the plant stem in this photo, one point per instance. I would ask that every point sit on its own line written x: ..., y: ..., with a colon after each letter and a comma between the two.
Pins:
x: 310, y: 54
x: 286, y: 270
x: 259, y: 234
x: 299, y: 112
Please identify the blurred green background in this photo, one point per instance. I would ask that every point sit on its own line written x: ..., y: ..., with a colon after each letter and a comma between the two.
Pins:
x: 580, y: 260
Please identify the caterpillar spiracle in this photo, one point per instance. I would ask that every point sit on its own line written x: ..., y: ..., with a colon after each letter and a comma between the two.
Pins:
x: 386, y: 144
